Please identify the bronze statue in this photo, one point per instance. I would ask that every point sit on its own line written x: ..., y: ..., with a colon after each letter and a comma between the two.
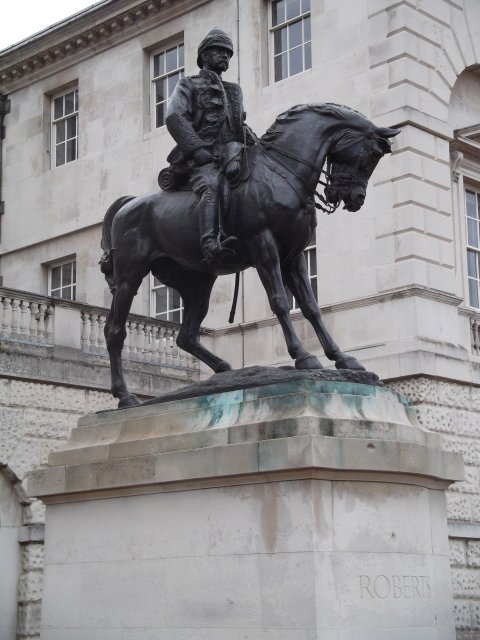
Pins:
x: 206, y: 118
x: 272, y: 214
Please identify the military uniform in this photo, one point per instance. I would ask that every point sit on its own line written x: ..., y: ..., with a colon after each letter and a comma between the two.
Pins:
x: 205, y: 112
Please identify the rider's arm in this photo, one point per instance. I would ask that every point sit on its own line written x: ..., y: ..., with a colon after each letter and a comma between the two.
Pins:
x: 179, y: 119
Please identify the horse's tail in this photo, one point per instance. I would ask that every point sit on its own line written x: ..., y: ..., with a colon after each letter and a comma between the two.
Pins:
x: 106, y: 261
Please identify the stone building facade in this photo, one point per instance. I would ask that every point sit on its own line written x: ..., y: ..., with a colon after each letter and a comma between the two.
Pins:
x: 398, y: 281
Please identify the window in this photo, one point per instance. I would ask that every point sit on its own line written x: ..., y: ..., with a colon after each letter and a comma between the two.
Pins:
x: 472, y: 211
x: 166, y: 302
x: 62, y: 280
x: 65, y: 127
x: 310, y: 254
x: 167, y: 69
x: 292, y: 40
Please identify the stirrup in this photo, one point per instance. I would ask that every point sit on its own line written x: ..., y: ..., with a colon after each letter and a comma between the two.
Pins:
x: 225, y: 249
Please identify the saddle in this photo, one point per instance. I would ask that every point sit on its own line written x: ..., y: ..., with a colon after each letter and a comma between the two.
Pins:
x: 176, y: 176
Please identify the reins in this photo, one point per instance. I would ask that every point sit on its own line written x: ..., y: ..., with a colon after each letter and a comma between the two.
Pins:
x: 323, y: 205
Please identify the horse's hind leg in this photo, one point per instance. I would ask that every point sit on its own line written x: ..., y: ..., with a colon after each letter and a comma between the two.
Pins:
x: 297, y: 279
x: 115, y: 334
x: 195, y: 289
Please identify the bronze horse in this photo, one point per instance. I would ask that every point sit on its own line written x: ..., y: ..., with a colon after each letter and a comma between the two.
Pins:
x: 272, y: 214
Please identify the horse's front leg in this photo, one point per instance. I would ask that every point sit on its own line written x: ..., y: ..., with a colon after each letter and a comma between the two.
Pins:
x: 296, y: 277
x: 267, y: 262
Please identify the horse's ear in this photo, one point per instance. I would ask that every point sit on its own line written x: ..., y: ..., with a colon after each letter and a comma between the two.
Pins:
x: 386, y: 132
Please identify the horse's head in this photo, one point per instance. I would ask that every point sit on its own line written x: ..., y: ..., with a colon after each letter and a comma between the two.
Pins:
x: 352, y: 157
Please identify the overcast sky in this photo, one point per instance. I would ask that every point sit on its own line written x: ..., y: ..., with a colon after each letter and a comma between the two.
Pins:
x: 22, y: 18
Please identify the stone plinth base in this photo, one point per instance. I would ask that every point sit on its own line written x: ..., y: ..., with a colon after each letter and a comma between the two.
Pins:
x: 303, y: 511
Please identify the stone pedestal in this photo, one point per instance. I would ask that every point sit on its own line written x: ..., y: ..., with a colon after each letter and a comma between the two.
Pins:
x: 308, y: 510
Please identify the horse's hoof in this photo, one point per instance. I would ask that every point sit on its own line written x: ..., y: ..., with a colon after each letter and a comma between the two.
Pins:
x: 222, y: 366
x: 128, y: 401
x: 308, y: 361
x: 349, y: 362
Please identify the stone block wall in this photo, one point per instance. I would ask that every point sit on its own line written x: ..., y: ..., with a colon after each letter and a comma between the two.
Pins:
x: 453, y: 409
x: 35, y: 419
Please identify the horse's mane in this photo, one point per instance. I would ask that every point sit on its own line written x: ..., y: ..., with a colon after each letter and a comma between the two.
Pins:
x: 340, y: 112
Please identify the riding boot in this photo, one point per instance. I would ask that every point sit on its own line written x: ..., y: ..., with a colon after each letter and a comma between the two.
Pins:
x: 210, y: 245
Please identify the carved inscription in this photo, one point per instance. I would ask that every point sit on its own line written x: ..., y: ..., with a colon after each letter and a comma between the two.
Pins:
x: 395, y: 586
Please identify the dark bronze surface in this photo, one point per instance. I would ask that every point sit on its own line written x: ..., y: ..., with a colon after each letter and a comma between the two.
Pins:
x: 271, y: 214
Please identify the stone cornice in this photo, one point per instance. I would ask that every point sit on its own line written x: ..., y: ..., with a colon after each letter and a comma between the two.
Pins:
x: 403, y: 292
x: 82, y: 35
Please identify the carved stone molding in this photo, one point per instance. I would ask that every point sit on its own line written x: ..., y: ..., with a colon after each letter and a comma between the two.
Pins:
x: 81, y: 36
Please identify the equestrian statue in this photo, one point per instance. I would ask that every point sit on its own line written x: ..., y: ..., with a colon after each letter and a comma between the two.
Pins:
x: 230, y: 201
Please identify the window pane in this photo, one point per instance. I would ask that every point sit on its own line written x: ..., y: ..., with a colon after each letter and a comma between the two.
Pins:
x: 60, y: 129
x: 69, y: 103
x: 175, y: 299
x: 160, y: 95
x: 278, y: 12
x: 281, y: 68
x: 172, y: 83
x: 473, y: 292
x: 72, y: 127
x: 156, y: 281
x: 56, y: 294
x: 470, y: 200
x: 296, y: 61
x: 308, y: 56
x: 307, y: 31
x: 180, y: 55
x: 175, y: 316
x: 60, y: 155
x: 161, y: 300
x: 66, y: 274
x: 171, y: 60
x: 66, y: 293
x: 293, y: 8
x: 305, y: 6
x: 74, y: 292
x: 58, y: 107
x: 56, y: 277
x: 472, y: 232
x: 158, y: 64
x: 71, y: 150
x: 280, y: 40
x: 160, y: 115
x: 472, y: 264
x: 295, y: 34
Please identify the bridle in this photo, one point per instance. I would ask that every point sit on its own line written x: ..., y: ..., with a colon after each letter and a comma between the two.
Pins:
x: 345, y: 179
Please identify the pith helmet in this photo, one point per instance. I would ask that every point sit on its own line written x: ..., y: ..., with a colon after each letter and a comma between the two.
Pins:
x: 214, y: 38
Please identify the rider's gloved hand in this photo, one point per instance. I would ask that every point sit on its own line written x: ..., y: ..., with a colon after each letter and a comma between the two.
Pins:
x: 202, y: 156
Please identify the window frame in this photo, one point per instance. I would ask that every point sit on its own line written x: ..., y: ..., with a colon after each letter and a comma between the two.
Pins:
x: 465, y: 168
x: 72, y: 285
x: 163, y: 48
x: 471, y: 248
x: 55, y: 121
x: 287, y: 23
x: 164, y: 315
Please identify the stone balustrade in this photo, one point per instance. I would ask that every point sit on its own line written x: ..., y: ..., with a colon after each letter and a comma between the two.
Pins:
x: 475, y: 334
x: 26, y: 317
x: 30, y: 318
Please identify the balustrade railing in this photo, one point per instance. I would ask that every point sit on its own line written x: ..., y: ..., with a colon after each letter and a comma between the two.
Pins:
x: 475, y: 335
x: 34, y: 319
x: 27, y: 319
x: 147, y: 340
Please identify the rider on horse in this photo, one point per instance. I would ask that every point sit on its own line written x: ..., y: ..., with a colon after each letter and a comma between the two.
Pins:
x: 205, y: 116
